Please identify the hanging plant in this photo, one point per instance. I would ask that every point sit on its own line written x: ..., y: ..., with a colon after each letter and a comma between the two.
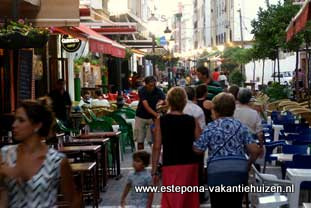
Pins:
x: 21, y: 35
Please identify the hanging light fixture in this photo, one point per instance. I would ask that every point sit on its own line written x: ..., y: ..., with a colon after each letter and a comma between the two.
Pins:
x: 153, y: 18
x: 167, y: 30
x: 167, y: 33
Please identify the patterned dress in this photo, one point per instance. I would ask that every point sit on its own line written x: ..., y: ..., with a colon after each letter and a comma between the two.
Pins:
x: 41, y: 190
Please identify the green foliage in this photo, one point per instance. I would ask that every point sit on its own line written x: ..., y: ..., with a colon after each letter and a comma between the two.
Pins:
x: 269, y: 29
x: 277, y: 91
x: 235, y: 57
x: 104, y: 69
x: 162, y: 59
x: 79, y: 62
x: 236, y: 78
x: 161, y: 65
x: 21, y: 35
x: 95, y: 62
x: 154, y: 56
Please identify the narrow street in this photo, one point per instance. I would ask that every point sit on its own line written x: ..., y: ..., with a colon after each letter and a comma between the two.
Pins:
x: 112, y: 197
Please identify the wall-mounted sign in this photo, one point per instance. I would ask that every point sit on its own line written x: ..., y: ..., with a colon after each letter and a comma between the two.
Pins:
x: 70, y: 44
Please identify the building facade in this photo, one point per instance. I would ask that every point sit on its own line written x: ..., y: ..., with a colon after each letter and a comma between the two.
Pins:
x: 187, y: 27
x: 199, y: 23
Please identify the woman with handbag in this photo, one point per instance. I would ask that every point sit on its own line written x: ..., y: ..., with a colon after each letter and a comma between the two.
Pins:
x: 227, y: 140
x: 175, y: 132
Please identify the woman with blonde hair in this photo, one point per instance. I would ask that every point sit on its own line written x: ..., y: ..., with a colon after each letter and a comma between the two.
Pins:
x: 175, y: 133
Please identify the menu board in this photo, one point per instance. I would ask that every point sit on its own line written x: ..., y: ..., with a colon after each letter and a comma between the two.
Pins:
x: 24, y: 86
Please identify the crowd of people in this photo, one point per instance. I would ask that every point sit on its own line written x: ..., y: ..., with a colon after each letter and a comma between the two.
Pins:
x: 200, y: 118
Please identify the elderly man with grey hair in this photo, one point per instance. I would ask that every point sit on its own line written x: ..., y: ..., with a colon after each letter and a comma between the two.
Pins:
x: 247, y: 115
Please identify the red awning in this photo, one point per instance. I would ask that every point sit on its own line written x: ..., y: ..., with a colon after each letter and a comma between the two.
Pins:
x: 299, y: 22
x: 115, y: 29
x: 97, y: 42
x: 101, y: 44
x: 68, y: 31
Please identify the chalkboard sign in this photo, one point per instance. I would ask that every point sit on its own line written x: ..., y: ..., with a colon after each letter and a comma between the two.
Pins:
x: 24, y: 86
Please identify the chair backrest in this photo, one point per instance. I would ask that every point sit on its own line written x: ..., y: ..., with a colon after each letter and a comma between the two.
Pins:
x: 129, y: 113
x: 295, y: 128
x: 92, y: 114
x: 295, y: 149
x: 306, y: 116
x: 118, y: 118
x: 86, y: 119
x: 61, y: 126
x: 301, y: 162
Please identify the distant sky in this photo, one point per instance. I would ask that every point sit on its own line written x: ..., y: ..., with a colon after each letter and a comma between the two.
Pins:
x: 167, y: 7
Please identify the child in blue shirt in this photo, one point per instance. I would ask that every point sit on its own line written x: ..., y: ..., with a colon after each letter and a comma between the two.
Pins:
x: 140, y: 177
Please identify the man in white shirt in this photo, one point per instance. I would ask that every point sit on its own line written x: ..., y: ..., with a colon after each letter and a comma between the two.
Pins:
x: 193, y: 109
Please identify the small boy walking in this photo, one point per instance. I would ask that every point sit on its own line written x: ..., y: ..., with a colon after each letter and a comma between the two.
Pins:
x: 140, y: 177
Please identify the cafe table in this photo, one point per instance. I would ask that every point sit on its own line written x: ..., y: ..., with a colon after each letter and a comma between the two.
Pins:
x: 114, y: 146
x: 277, y: 130
x: 297, y: 176
x: 104, y: 155
x: 87, y: 168
x: 282, y: 157
x: 92, y: 150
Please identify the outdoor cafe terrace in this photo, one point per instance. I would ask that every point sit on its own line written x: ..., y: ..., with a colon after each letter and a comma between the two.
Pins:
x: 100, y: 154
